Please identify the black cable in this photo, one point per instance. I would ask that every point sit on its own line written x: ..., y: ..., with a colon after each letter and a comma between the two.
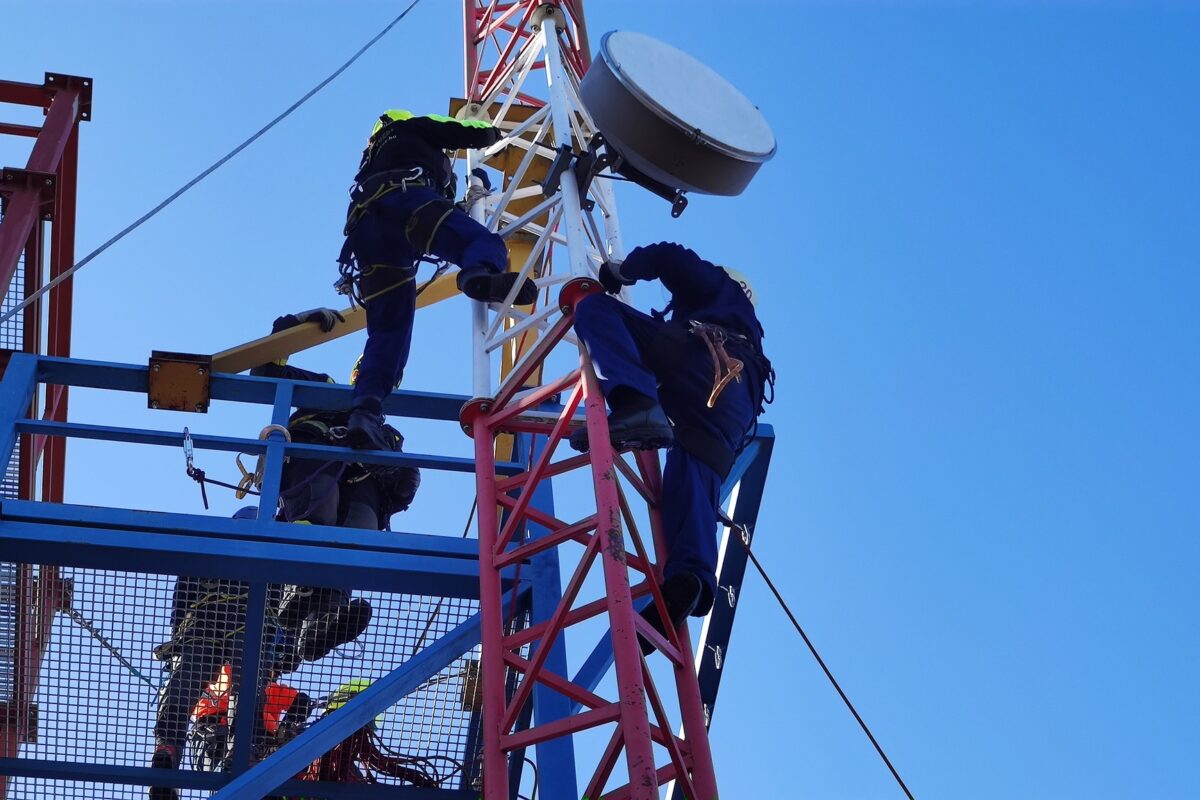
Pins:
x: 220, y: 162
x: 533, y: 766
x: 744, y: 536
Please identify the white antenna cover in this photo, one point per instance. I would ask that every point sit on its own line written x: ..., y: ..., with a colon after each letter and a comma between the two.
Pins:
x: 674, y: 118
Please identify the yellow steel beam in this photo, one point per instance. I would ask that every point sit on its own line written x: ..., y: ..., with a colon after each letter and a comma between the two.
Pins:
x: 302, y: 337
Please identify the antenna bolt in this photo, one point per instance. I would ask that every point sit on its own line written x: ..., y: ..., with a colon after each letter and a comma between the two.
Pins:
x: 154, y: 404
x: 200, y: 407
x: 156, y: 367
x: 199, y: 370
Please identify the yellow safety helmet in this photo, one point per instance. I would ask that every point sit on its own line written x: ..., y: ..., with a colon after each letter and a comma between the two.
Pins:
x: 391, y: 115
x: 345, y: 693
x: 741, y: 280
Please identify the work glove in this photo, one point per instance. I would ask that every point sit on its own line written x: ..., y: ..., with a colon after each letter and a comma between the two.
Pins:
x: 497, y: 135
x: 481, y: 173
x: 325, y: 317
x: 611, y: 278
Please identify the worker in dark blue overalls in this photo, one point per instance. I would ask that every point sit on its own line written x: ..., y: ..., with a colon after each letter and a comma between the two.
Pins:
x: 694, y: 383
x: 208, y: 631
x: 402, y: 209
x: 317, y: 492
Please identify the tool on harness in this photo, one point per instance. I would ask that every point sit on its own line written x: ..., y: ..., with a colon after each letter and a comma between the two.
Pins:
x: 726, y: 368
x: 197, y: 474
x: 253, y: 480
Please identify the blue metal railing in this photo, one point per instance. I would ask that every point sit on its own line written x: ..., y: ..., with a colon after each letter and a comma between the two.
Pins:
x: 250, y: 550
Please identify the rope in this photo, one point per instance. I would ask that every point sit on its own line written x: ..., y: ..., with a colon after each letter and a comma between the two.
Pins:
x: 99, y: 637
x: 744, y: 536
x: 216, y: 165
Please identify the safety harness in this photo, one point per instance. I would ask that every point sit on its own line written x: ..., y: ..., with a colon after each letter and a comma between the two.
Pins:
x: 329, y: 427
x: 726, y: 368
x: 670, y: 345
x: 419, y: 229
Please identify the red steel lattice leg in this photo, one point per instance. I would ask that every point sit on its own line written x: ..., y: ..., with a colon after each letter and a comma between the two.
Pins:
x: 637, y: 710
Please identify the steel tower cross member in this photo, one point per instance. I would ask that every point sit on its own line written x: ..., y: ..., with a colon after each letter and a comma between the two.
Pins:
x: 557, y: 130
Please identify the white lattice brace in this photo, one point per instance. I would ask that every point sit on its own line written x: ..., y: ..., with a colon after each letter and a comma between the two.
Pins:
x: 529, y: 56
x: 538, y: 251
x: 519, y: 175
x: 561, y: 109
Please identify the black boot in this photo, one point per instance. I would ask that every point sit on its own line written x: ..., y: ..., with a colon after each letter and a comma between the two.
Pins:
x: 300, y: 601
x: 644, y: 429
x: 165, y: 757
x: 681, y: 593
x: 365, y: 431
x: 323, y: 632
x: 494, y: 287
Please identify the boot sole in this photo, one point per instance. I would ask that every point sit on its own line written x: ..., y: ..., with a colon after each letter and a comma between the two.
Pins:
x: 634, y: 439
x: 644, y: 439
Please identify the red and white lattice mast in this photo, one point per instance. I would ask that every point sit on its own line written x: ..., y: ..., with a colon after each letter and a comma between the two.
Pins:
x: 524, y: 65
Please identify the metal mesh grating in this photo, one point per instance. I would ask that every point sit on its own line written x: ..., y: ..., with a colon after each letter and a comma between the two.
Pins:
x: 94, y: 709
x: 12, y: 337
x: 10, y: 483
x: 8, y: 628
x: 12, y: 331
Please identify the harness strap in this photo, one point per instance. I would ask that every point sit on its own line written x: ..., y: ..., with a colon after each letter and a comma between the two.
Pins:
x: 379, y: 185
x: 424, y: 221
x: 726, y: 368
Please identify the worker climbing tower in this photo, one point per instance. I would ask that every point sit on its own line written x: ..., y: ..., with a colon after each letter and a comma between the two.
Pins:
x: 464, y: 678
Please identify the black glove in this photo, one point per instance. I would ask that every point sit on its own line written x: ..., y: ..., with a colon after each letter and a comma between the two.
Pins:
x: 497, y: 135
x: 480, y: 173
x: 611, y: 279
x: 325, y: 317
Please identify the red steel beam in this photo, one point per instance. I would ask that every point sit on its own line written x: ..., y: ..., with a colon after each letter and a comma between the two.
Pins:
x: 61, y: 300
x: 23, y: 94
x: 24, y: 205
x: 13, y: 129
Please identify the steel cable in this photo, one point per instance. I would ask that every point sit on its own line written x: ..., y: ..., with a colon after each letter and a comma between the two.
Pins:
x: 744, y: 536
x: 216, y: 165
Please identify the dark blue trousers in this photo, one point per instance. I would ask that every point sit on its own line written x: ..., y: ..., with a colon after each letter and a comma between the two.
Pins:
x: 661, y: 360
x: 388, y: 285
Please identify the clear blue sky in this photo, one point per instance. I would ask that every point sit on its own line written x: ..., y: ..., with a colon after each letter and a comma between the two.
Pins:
x: 977, y: 255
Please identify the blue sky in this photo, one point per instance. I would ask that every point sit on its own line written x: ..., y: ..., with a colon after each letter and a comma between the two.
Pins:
x: 977, y: 256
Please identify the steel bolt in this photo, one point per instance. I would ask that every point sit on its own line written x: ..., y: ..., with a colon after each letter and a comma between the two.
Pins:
x: 199, y: 406
x: 156, y: 367
x: 199, y: 370
x: 154, y: 404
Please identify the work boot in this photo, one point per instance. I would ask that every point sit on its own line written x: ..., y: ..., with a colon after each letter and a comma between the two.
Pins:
x: 681, y: 593
x: 165, y: 757
x: 644, y: 429
x: 494, y: 287
x: 300, y: 601
x: 323, y: 632
x: 365, y: 431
